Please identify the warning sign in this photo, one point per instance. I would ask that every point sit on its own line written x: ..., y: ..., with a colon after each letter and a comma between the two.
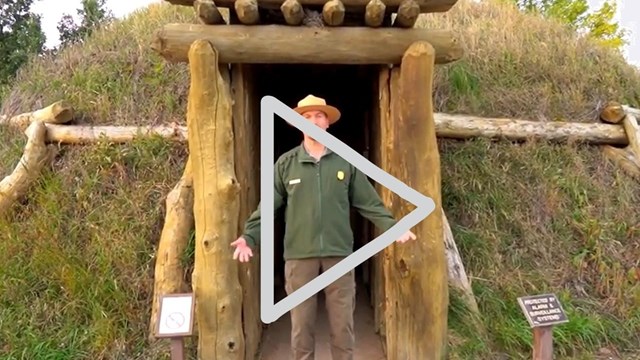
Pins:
x: 176, y: 315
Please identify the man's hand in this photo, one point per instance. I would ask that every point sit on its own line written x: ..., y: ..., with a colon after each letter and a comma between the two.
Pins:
x: 406, y: 237
x: 243, y: 251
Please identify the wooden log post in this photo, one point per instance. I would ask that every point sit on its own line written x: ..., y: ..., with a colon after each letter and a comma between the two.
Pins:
x: 374, y: 13
x: 418, y: 293
x: 35, y: 157
x: 283, y: 44
x: 247, y: 11
x: 207, y: 12
x: 292, y: 12
x: 169, y: 272
x: 612, y: 113
x: 632, y: 130
x: 247, y: 140
x: 333, y: 12
x: 59, y: 112
x: 623, y: 158
x: 408, y: 13
x: 218, y: 294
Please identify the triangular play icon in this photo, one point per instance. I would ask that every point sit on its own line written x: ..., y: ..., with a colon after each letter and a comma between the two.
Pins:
x: 270, y: 312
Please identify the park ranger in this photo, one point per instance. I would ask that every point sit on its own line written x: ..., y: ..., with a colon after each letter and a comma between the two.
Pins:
x: 317, y: 188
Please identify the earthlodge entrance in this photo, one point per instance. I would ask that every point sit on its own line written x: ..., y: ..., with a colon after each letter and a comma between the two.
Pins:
x: 348, y: 87
x: 379, y: 73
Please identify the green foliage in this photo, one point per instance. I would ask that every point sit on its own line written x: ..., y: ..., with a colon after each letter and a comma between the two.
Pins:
x: 598, y: 25
x: 21, y: 37
x: 93, y: 14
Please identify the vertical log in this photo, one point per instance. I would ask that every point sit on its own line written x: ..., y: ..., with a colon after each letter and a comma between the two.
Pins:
x: 374, y: 13
x: 247, y: 11
x: 379, y: 147
x: 169, y: 277
x: 215, y: 277
x: 247, y: 160
x: 417, y: 318
x: 292, y: 11
x: 208, y: 12
x: 408, y: 13
x: 333, y: 12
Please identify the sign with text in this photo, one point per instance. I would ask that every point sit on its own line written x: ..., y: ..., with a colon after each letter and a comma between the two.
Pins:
x: 176, y: 315
x: 542, y: 310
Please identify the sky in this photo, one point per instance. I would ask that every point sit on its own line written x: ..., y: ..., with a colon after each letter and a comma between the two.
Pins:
x: 52, y: 11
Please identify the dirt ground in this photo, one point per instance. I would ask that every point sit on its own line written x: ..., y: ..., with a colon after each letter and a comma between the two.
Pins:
x: 276, y: 340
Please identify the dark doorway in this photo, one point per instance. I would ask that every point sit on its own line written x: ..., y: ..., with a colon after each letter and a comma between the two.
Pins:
x: 354, y: 90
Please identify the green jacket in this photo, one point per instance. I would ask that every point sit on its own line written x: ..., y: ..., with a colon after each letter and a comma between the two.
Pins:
x: 317, y: 196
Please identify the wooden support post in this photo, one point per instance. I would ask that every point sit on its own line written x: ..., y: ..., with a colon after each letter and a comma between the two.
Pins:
x: 408, y: 13
x: 374, y: 13
x: 216, y: 285
x: 417, y: 281
x: 292, y: 12
x: 333, y: 12
x: 632, y: 130
x: 178, y: 223
x: 247, y: 11
x: 543, y: 343
x: 208, y: 12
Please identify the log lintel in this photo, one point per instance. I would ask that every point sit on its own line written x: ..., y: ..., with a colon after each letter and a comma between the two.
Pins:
x: 283, y: 44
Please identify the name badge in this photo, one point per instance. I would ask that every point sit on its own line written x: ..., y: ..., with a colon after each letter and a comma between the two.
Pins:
x: 294, y: 181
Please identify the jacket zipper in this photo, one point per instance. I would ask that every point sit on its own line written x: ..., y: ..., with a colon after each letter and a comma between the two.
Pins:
x: 320, y: 204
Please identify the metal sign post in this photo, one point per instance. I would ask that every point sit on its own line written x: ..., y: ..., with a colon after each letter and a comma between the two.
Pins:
x: 175, y: 321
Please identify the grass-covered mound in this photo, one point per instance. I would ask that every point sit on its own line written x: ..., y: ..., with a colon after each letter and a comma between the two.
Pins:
x: 76, y: 274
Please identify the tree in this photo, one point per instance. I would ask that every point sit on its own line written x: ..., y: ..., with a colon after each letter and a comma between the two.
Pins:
x: 93, y: 14
x: 21, y: 37
x: 598, y: 25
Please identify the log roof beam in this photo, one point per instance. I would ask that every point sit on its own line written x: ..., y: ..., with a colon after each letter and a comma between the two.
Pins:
x: 282, y: 44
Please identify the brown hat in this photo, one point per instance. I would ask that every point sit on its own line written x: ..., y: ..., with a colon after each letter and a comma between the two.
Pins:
x: 311, y: 103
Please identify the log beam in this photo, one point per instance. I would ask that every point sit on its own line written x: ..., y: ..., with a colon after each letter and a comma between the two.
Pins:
x: 624, y: 158
x: 359, y: 6
x: 208, y: 13
x: 374, y: 13
x: 418, y: 291
x: 59, y: 112
x: 178, y: 223
x: 408, y: 13
x: 216, y: 283
x: 35, y: 157
x: 292, y: 12
x: 447, y: 126
x: 333, y: 13
x: 247, y: 12
x: 282, y: 44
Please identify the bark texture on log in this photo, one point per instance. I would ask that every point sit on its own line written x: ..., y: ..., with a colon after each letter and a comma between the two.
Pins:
x: 417, y: 291
x: 613, y: 113
x: 35, y: 157
x: 59, y: 112
x: 247, y: 161
x: 216, y: 282
x: 466, y: 127
x: 282, y: 44
x: 633, y: 111
x: 208, y: 12
x: 426, y: 6
x: 374, y: 13
x: 174, y: 239
x: 623, y: 158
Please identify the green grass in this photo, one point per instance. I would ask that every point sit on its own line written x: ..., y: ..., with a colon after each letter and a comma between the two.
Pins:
x: 77, y: 254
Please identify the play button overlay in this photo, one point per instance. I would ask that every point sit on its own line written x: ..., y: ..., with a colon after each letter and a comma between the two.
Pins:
x: 270, y: 311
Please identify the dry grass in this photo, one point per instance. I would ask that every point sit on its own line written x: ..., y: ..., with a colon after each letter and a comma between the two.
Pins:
x: 76, y: 275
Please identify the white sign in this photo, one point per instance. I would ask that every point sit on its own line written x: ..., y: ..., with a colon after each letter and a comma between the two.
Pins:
x: 176, y: 315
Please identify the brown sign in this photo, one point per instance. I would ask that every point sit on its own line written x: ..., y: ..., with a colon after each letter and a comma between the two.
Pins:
x: 542, y: 310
